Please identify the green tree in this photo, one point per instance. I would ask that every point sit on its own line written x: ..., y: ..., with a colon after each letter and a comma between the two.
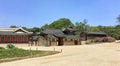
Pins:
x: 117, y: 29
x: 116, y: 32
x: 109, y: 30
x: 101, y: 28
x: 61, y: 23
x: 13, y: 26
x: 118, y: 19
x: 43, y: 27
x: 28, y: 29
x: 35, y: 29
x: 82, y: 26
x: 94, y: 28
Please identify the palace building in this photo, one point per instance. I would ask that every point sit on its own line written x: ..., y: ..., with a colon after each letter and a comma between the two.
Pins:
x: 56, y: 37
x: 87, y: 35
x: 14, y: 35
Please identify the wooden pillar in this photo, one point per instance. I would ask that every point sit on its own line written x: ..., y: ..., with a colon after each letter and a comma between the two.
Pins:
x: 4, y: 38
x: 86, y: 38
x: 7, y: 38
x: 50, y: 41
x: 16, y: 37
x: 79, y: 41
x: 27, y: 39
x: 0, y: 38
x: 23, y: 38
x: 11, y: 38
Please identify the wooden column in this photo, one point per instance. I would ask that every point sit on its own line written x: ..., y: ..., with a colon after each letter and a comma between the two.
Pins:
x: 16, y: 39
x: 7, y: 39
x: 23, y: 38
x: 10, y: 38
x: 0, y: 38
x: 4, y: 39
x: 13, y: 39
x: 86, y: 38
x: 27, y: 39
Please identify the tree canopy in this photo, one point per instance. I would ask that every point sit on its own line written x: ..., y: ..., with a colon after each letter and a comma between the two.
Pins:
x: 60, y: 23
x: 81, y: 26
x: 13, y: 26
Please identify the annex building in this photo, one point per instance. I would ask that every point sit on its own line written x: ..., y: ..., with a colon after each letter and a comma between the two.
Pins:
x: 56, y: 37
x: 14, y: 35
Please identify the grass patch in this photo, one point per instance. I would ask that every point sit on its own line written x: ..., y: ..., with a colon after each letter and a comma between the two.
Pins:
x: 16, y: 54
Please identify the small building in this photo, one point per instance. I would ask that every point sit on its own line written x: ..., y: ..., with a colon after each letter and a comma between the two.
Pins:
x: 14, y: 35
x: 86, y: 35
x: 53, y: 37
x: 57, y: 37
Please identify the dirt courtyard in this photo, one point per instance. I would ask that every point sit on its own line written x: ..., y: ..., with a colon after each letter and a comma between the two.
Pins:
x: 106, y: 54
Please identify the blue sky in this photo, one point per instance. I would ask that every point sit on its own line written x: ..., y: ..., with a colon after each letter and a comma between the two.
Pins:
x: 35, y: 13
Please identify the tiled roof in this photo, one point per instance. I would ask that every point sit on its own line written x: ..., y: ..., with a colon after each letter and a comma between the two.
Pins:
x: 58, y: 33
x: 72, y: 37
x: 52, y: 36
x: 13, y: 31
x: 71, y: 29
x: 34, y: 38
x: 102, y: 33
x: 52, y: 31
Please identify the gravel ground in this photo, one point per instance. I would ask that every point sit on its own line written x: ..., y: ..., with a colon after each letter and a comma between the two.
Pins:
x: 106, y: 54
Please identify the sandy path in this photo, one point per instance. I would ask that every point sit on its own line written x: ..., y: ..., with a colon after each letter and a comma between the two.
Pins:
x: 83, y: 55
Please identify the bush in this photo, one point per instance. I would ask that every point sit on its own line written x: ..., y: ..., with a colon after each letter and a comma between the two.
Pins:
x: 10, y: 46
x: 98, y: 39
x: 2, y: 48
x: 110, y: 39
x: 104, y: 39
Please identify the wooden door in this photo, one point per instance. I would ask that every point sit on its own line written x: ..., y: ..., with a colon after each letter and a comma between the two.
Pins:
x: 60, y: 41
